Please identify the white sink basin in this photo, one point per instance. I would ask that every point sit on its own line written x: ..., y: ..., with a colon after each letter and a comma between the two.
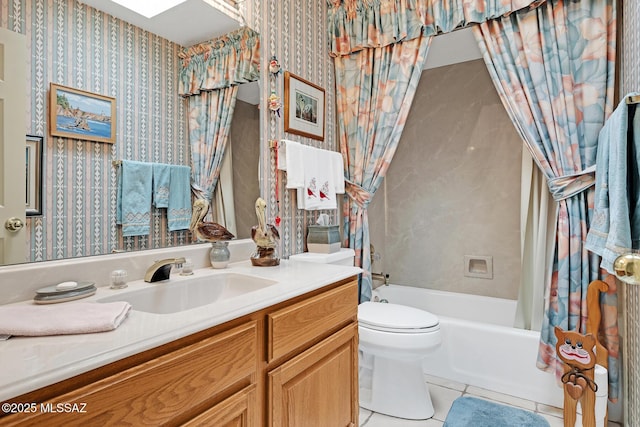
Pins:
x: 186, y: 293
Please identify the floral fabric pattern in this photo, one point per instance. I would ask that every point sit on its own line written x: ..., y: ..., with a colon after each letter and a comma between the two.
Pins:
x: 226, y: 61
x: 374, y: 91
x: 210, y: 115
x: 209, y: 77
x: 554, y: 70
x: 357, y: 24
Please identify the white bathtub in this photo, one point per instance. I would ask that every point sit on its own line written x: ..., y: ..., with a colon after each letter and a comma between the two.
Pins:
x: 479, y: 346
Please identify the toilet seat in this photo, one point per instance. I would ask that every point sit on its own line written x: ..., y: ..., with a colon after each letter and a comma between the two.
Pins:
x: 396, y: 318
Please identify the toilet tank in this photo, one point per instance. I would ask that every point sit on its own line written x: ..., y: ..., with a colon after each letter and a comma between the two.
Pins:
x: 345, y: 256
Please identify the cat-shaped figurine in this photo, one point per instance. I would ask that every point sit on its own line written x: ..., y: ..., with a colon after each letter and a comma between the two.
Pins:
x: 577, y: 353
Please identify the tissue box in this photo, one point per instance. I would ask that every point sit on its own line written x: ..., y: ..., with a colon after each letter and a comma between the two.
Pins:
x: 323, y: 238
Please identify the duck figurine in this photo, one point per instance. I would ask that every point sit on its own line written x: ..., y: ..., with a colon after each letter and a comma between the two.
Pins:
x: 266, y: 237
x: 205, y: 230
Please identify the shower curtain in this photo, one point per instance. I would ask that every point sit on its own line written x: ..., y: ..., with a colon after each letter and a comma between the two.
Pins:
x: 554, y: 69
x: 538, y: 213
x: 373, y: 102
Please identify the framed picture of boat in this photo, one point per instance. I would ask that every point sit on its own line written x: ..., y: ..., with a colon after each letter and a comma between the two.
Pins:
x: 78, y: 114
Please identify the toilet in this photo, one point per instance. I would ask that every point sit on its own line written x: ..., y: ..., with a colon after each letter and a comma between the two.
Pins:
x: 393, y: 342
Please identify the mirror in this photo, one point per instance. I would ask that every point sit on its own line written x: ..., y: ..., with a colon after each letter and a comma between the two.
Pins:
x: 140, y: 69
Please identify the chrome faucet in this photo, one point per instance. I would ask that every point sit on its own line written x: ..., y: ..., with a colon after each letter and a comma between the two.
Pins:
x: 160, y: 270
x: 381, y: 277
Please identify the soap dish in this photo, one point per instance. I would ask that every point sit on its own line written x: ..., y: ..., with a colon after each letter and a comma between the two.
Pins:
x: 57, y: 293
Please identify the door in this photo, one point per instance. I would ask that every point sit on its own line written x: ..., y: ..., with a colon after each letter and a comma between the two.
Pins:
x: 13, y: 101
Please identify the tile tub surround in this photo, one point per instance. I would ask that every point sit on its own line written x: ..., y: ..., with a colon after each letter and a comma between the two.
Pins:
x: 453, y: 188
x: 40, y: 361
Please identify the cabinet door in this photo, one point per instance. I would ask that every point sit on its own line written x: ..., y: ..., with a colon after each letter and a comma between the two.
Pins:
x: 318, y: 388
x: 238, y: 410
x: 162, y: 391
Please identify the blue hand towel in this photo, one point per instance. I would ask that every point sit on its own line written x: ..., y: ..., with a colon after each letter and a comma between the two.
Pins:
x: 611, y: 227
x: 134, y: 198
x: 179, y: 211
x: 161, y: 180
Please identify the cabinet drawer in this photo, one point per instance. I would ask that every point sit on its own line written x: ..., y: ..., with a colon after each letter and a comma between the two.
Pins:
x: 298, y: 325
x: 160, y: 390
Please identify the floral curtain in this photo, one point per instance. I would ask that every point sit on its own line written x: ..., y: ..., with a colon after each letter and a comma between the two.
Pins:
x: 226, y: 61
x: 363, y: 35
x: 210, y: 115
x: 357, y: 24
x: 554, y: 70
x: 374, y: 91
x: 209, y: 78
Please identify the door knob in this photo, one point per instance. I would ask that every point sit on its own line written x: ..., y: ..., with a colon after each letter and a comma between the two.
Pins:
x: 14, y: 224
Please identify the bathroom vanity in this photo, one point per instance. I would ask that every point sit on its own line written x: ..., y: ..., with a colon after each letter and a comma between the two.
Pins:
x: 285, y: 356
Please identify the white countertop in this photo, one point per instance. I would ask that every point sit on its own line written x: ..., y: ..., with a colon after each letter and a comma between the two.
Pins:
x: 29, y: 363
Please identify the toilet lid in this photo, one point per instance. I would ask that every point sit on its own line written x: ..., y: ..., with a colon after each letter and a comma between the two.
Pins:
x: 386, y: 316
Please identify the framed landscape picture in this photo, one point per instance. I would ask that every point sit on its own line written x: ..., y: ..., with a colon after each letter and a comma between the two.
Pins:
x: 78, y: 114
x: 304, y: 106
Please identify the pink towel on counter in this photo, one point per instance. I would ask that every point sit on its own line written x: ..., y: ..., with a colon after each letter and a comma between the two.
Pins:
x: 62, y: 319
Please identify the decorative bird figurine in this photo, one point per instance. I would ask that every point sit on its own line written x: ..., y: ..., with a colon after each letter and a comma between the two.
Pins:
x: 206, y: 231
x: 266, y: 237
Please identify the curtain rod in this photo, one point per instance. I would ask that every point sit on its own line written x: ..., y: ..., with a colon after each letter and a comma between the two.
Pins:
x: 633, y: 99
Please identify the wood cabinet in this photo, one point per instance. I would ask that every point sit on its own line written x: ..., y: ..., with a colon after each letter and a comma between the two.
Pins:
x: 291, y: 364
x: 317, y: 388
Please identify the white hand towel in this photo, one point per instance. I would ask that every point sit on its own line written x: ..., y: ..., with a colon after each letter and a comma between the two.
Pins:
x: 295, y: 155
x: 316, y: 174
x: 62, y: 319
x: 326, y: 180
x: 337, y: 167
x: 282, y: 153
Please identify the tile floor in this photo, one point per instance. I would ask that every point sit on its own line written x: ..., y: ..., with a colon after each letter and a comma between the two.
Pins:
x: 444, y: 392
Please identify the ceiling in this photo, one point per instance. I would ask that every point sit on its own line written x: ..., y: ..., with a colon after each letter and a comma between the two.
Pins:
x: 186, y: 24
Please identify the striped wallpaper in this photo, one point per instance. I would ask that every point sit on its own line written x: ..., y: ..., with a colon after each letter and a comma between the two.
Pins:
x: 295, y: 32
x: 75, y: 45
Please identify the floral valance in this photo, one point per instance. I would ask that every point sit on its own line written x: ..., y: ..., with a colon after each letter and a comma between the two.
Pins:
x: 226, y: 61
x: 357, y: 24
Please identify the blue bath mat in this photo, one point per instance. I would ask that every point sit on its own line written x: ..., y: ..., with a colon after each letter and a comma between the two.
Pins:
x: 471, y: 412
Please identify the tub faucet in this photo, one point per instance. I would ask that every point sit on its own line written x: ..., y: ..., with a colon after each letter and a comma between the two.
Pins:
x: 381, y: 277
x: 160, y: 270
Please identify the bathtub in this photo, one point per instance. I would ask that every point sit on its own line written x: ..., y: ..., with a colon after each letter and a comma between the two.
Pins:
x: 479, y: 345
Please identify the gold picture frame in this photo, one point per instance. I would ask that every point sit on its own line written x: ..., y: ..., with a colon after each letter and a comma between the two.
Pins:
x: 78, y: 114
x: 304, y: 107
x: 33, y: 196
